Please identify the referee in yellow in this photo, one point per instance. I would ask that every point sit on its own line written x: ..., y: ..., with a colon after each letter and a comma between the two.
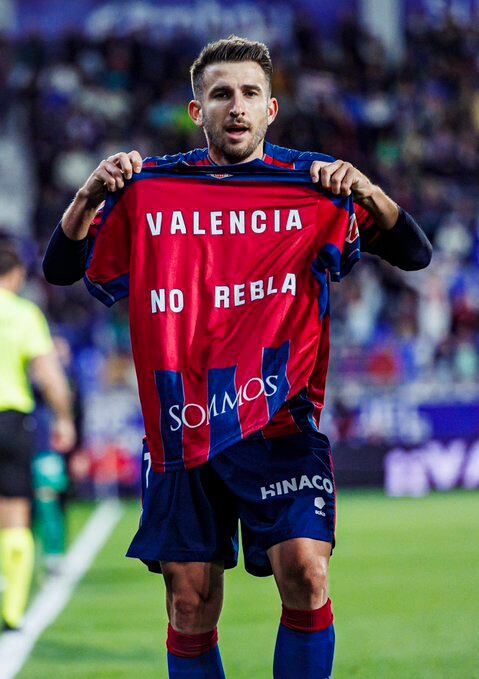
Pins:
x: 26, y: 350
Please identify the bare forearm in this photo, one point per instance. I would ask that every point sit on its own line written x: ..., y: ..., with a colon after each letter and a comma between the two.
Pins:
x: 343, y: 179
x: 400, y: 240
x: 110, y: 175
x: 66, y: 256
x: 382, y: 208
x: 79, y: 215
x: 67, y: 252
x: 51, y: 379
x: 58, y: 396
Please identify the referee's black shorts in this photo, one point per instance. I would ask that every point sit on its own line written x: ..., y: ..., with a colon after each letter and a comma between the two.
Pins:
x: 16, y: 453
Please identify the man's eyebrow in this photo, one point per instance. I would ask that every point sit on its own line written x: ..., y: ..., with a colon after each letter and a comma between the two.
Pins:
x: 251, y: 87
x: 220, y: 87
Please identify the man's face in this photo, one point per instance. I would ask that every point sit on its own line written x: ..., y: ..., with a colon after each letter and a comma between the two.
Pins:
x: 235, y: 110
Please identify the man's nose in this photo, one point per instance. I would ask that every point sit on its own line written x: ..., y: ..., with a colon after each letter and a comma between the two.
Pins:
x: 237, y: 105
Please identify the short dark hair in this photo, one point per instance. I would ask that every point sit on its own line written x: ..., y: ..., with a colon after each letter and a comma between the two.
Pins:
x: 9, y: 259
x: 231, y: 48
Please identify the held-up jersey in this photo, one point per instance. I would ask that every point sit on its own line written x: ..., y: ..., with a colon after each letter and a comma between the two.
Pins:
x: 227, y: 271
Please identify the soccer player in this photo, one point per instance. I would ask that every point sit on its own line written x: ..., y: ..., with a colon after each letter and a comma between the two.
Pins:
x: 25, y: 345
x: 272, y: 479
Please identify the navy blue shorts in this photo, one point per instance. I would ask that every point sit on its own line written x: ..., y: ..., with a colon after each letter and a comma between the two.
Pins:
x: 277, y: 489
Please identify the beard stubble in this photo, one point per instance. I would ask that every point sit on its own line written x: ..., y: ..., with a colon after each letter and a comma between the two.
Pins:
x: 234, y: 153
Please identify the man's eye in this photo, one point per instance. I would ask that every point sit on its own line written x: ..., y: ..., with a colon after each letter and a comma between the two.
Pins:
x: 252, y: 93
x: 221, y: 95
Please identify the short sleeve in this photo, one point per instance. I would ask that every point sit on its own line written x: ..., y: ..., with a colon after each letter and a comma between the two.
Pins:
x: 37, y: 340
x: 107, y: 273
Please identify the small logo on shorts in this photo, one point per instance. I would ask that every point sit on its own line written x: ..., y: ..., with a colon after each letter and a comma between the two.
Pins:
x: 319, y: 503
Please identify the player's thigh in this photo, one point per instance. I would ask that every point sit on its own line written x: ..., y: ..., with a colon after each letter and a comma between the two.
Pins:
x: 301, y: 570
x: 204, y: 578
x: 285, y: 490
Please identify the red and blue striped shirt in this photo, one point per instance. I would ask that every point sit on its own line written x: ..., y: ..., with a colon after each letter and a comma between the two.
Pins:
x: 227, y: 271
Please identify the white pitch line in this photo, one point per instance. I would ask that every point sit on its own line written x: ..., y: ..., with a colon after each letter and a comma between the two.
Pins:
x: 15, y: 647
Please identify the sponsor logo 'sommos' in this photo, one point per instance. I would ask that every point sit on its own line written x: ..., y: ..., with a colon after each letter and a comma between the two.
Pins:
x: 193, y: 415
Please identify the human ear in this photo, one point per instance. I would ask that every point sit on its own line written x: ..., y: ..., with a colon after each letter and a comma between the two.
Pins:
x: 195, y: 112
x: 273, y: 108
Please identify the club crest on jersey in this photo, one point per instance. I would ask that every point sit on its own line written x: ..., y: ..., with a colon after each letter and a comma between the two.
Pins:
x: 353, y: 230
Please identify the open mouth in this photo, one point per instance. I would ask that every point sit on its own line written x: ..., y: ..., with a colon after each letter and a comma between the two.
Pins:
x: 237, y: 131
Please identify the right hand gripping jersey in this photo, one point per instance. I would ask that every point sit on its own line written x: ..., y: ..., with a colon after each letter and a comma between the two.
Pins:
x: 227, y: 270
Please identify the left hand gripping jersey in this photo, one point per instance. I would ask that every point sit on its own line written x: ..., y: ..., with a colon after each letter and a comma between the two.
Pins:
x: 227, y: 270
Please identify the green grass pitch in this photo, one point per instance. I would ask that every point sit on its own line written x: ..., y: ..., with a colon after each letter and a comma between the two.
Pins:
x: 405, y: 590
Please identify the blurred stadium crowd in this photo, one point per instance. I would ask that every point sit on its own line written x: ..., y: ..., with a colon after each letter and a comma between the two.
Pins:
x: 413, y: 127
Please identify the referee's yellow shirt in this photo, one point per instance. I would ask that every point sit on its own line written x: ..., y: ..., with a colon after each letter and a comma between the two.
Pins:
x: 24, y: 335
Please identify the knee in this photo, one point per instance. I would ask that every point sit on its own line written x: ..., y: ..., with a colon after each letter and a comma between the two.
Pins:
x: 194, y: 595
x: 192, y: 613
x: 185, y: 611
x: 305, y: 586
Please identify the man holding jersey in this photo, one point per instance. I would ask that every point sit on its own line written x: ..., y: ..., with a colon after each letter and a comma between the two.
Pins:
x: 253, y: 453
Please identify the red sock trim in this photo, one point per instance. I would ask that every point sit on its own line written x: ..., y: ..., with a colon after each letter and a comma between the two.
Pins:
x: 190, y: 645
x: 308, y: 621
